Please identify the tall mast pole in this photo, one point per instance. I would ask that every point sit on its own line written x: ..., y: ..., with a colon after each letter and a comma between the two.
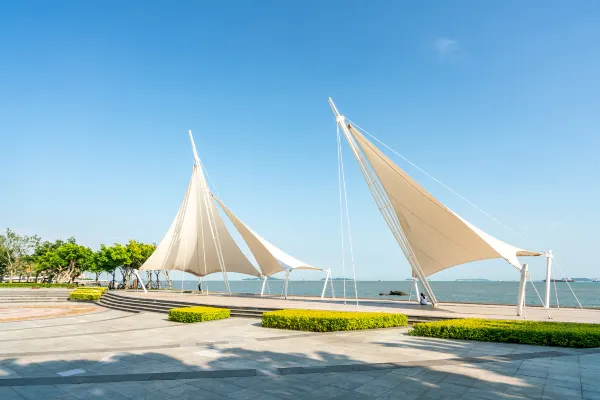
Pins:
x: 206, y: 195
x: 196, y: 158
x: 384, y: 204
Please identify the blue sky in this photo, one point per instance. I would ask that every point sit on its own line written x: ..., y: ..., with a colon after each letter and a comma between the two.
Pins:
x: 497, y: 100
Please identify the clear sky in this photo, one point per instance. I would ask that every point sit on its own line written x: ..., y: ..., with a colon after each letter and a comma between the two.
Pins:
x: 499, y: 100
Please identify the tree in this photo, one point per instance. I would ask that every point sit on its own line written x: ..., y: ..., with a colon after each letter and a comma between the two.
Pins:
x: 168, y: 278
x: 41, y: 266
x: 133, y: 255
x: 120, y: 257
x: 17, y: 253
x: 95, y: 265
x: 3, y: 261
x: 66, y: 260
x: 107, y: 259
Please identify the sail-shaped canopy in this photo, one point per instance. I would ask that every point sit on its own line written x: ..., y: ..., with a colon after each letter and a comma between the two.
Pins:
x: 439, y: 238
x: 189, y: 244
x: 270, y: 259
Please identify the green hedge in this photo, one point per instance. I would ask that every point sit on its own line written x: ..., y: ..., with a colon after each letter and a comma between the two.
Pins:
x: 87, y: 293
x: 197, y: 314
x: 562, y: 334
x: 100, y: 289
x: 328, y: 321
x: 36, y: 285
x: 85, y: 296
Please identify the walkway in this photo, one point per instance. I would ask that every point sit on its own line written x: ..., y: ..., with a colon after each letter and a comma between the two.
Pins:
x: 118, y: 355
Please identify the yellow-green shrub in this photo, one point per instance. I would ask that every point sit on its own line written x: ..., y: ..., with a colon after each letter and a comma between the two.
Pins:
x: 87, y: 293
x: 328, y: 321
x: 563, y: 334
x: 85, y: 296
x: 100, y: 289
x: 197, y: 314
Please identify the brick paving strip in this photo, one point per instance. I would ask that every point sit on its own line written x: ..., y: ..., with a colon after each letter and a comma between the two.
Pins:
x: 22, y: 313
x: 236, y: 373
x: 87, y: 333
x: 129, y: 315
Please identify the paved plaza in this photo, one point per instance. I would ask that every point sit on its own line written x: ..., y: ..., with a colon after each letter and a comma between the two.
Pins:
x: 109, y: 354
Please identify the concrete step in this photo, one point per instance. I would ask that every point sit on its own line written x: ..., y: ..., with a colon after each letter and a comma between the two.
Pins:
x: 177, y: 304
x: 115, y: 307
x: 137, y: 305
x: 31, y: 292
x: 34, y: 300
x: 130, y: 308
x: 165, y: 309
x: 33, y: 297
x: 41, y: 295
x: 126, y: 303
x: 27, y: 295
x: 163, y: 306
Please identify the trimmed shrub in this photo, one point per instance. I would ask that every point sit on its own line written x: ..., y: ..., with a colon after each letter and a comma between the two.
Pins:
x: 87, y: 293
x: 197, y: 314
x: 328, y: 321
x: 100, y: 289
x: 561, y: 334
x: 91, y: 296
x: 36, y: 285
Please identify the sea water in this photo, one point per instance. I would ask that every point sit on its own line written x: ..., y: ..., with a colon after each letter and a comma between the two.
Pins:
x: 588, y: 293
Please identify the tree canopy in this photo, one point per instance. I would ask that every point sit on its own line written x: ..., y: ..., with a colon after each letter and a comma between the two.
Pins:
x: 16, y: 254
x: 63, y: 261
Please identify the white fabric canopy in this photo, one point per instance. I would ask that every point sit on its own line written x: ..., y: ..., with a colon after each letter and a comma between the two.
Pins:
x: 270, y: 259
x: 189, y: 245
x: 438, y: 237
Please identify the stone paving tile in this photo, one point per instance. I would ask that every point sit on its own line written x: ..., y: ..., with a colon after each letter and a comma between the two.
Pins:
x: 476, y: 393
x: 198, y: 394
x: 351, y: 396
x: 557, y: 391
x: 214, y: 385
x: 388, y: 380
x: 439, y: 394
x: 408, y: 371
x: 132, y: 390
x: 347, y: 381
x: 491, y: 385
x: 398, y: 395
x: 564, y: 383
x: 91, y: 391
x: 526, y: 391
x: 536, y: 373
x: 7, y: 393
x: 593, y: 387
x: 42, y: 392
x: 372, y: 389
x: 244, y: 394
x: 330, y: 392
x: 510, y: 396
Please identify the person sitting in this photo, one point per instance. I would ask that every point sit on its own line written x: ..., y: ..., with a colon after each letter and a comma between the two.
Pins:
x: 423, y: 301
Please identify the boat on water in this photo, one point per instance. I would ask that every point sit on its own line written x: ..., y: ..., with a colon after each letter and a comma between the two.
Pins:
x: 563, y: 280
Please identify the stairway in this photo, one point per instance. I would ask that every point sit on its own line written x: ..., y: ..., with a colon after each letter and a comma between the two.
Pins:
x: 29, y: 295
x: 113, y: 300
x: 135, y: 304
